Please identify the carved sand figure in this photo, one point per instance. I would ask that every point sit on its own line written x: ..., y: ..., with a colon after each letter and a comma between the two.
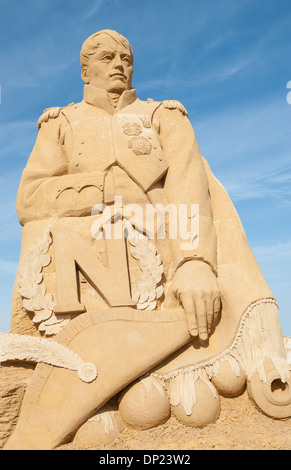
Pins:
x: 156, y: 325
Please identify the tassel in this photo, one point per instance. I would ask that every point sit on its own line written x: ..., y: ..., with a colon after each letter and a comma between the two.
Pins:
x: 259, y: 337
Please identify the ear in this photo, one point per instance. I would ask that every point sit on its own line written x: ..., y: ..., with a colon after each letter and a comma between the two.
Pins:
x: 84, y: 75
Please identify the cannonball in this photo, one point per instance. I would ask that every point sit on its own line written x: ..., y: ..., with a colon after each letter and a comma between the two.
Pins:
x: 227, y: 382
x: 206, y: 409
x: 102, y: 429
x: 144, y: 405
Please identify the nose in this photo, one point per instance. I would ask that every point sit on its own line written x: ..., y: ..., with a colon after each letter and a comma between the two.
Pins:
x: 117, y: 63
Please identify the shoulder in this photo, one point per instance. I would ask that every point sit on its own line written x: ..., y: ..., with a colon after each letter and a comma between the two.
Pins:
x: 174, y: 104
x: 170, y: 114
x: 156, y: 106
x: 51, y: 113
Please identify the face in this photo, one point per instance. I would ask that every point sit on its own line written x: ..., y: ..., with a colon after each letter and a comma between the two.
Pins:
x: 110, y: 68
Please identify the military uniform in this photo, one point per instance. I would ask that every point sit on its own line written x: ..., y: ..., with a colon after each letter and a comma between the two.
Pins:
x: 145, y: 152
x: 89, y: 152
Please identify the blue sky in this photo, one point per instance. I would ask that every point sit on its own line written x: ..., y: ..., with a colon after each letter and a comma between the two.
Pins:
x: 227, y: 61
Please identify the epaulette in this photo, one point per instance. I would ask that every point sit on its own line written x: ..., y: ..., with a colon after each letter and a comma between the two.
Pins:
x: 50, y: 113
x: 174, y: 104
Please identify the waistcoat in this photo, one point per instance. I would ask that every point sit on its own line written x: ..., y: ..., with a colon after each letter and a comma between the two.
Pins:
x: 125, y: 138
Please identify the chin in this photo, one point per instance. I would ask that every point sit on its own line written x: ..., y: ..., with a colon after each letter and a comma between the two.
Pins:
x: 118, y: 89
x: 118, y: 85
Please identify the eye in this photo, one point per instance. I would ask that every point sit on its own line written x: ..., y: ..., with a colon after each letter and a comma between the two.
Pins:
x: 126, y: 60
x: 106, y: 58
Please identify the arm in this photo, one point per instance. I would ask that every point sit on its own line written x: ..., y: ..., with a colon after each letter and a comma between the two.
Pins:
x: 194, y: 283
x: 46, y: 189
x: 186, y: 181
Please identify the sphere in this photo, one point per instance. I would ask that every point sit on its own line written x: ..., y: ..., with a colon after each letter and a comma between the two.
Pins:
x: 103, y: 428
x: 227, y: 382
x: 206, y: 409
x: 144, y: 405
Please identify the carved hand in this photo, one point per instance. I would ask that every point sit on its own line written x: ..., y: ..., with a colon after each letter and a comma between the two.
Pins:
x: 196, y: 287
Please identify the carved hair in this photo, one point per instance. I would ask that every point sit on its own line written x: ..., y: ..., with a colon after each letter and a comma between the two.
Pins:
x: 93, y: 42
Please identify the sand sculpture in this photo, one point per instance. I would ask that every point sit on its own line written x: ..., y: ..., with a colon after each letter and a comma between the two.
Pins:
x: 137, y: 294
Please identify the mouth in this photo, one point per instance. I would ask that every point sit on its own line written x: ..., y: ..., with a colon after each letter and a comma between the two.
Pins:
x: 118, y: 75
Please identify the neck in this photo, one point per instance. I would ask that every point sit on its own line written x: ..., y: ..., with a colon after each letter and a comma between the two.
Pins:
x: 111, y: 100
x: 114, y: 98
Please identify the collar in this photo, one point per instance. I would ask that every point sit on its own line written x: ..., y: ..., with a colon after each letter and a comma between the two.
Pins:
x: 99, y: 97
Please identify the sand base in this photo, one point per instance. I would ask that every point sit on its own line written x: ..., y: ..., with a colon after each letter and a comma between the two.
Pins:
x: 240, y: 427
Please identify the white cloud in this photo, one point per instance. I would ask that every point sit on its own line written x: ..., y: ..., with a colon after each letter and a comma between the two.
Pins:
x: 95, y: 9
x: 277, y: 251
x: 229, y: 70
x: 236, y: 131
x: 248, y: 147
x: 8, y: 266
x: 261, y: 186
x: 172, y: 84
x: 45, y: 69
x: 16, y: 138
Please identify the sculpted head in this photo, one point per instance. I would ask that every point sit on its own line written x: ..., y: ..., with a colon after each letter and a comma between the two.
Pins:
x: 107, y: 61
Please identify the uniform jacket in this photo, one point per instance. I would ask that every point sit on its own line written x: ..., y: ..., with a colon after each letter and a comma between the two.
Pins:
x: 145, y: 152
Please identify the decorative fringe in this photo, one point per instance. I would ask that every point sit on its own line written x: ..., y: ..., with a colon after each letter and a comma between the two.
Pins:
x: 259, y: 337
x: 149, y: 383
x: 181, y: 390
x: 106, y: 420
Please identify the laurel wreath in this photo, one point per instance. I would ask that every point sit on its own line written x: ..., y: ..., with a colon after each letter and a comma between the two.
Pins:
x: 146, y: 291
x: 34, y: 294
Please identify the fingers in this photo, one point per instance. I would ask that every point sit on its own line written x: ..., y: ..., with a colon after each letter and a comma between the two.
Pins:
x: 202, y: 316
x: 216, y: 308
x: 189, y: 307
x: 202, y: 313
x: 213, y: 306
x: 196, y: 315
x: 209, y: 307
